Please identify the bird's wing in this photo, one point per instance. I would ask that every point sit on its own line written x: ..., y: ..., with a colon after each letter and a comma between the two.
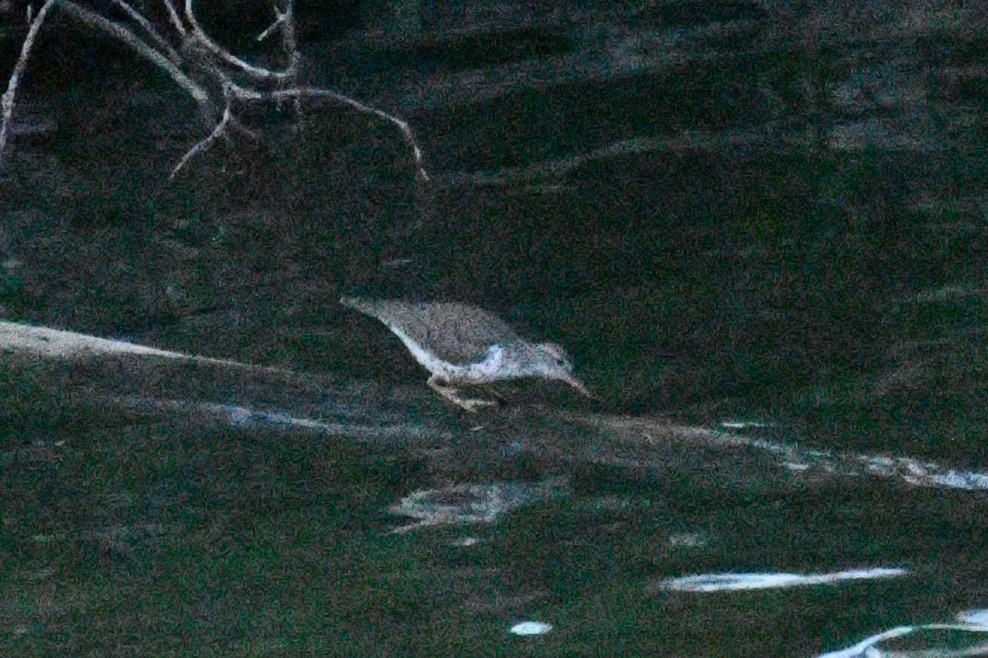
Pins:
x: 454, y: 332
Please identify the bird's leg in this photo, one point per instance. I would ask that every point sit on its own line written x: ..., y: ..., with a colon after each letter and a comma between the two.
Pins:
x: 450, y: 394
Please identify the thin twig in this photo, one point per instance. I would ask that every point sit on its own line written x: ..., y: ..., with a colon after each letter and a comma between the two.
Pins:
x: 274, y: 26
x: 176, y: 21
x: 119, y: 31
x: 7, y: 102
x: 288, y: 38
x: 202, y: 38
x: 290, y: 44
x: 205, y: 144
x: 310, y: 92
x: 149, y: 29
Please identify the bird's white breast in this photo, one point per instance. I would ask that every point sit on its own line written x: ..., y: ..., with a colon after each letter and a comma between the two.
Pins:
x: 484, y: 371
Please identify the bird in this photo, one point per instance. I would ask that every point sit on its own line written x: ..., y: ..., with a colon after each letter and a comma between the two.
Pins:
x: 462, y: 345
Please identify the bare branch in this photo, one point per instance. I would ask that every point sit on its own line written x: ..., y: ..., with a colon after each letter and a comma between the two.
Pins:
x: 119, y: 31
x: 290, y: 44
x: 205, y: 144
x: 289, y: 41
x: 241, y: 93
x: 213, y: 68
x: 406, y: 130
x: 279, y: 21
x: 203, y: 39
x: 176, y: 21
x: 7, y: 101
x: 149, y: 29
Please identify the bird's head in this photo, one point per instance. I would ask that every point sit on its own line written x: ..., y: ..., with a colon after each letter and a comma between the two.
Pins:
x: 556, y: 364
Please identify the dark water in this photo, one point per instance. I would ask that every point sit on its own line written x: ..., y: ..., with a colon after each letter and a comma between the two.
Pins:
x: 766, y: 254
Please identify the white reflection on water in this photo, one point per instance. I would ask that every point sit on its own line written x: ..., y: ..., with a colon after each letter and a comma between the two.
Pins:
x: 907, y: 469
x: 926, y: 647
x: 473, y: 503
x: 749, y: 581
x: 531, y: 628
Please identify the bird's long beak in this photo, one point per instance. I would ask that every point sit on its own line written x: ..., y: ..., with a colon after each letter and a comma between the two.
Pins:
x: 578, y: 385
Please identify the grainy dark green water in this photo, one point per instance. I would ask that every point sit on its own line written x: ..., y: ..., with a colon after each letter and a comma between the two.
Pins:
x: 808, y: 313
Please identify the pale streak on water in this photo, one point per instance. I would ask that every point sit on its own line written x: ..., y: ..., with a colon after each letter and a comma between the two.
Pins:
x: 724, y: 582
x: 468, y: 503
x: 869, y: 648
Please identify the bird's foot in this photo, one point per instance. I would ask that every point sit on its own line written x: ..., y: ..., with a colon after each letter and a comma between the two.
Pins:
x: 452, y: 395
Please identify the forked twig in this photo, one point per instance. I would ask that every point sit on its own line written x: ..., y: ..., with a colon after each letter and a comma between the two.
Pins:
x: 149, y: 29
x: 203, y: 39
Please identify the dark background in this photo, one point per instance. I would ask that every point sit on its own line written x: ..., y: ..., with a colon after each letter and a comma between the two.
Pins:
x: 723, y: 210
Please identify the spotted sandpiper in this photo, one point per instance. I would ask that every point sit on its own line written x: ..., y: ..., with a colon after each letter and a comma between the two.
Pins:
x: 464, y: 345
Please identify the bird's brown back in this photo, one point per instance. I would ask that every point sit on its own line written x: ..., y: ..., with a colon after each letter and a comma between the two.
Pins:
x: 454, y: 332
